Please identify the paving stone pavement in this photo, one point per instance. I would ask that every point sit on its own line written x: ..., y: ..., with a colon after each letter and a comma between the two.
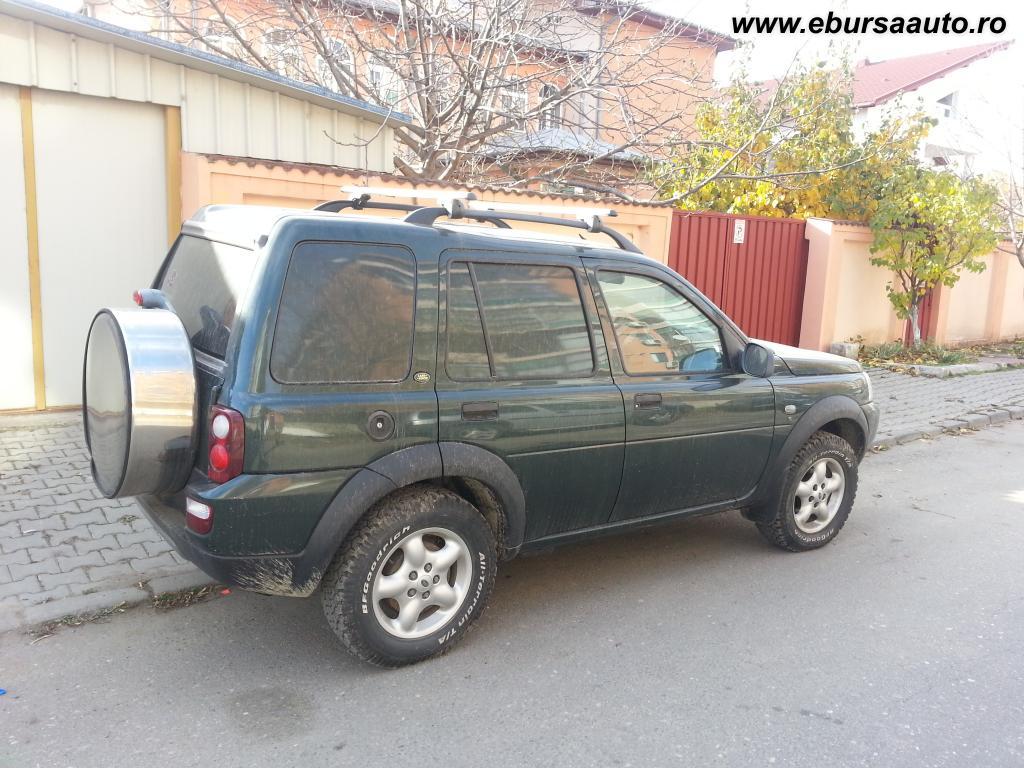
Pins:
x: 913, y: 407
x: 63, y: 547
x: 66, y: 549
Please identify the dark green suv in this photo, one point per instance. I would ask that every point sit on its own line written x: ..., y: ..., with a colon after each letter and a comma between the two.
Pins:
x: 386, y: 408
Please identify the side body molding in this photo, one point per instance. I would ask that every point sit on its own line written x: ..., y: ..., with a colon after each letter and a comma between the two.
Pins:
x: 401, y: 468
x: 821, y: 413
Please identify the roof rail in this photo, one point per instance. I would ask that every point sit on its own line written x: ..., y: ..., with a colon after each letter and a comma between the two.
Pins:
x: 478, y: 210
x: 465, y: 205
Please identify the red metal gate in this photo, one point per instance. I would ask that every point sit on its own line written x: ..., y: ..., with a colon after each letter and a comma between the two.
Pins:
x: 758, y: 281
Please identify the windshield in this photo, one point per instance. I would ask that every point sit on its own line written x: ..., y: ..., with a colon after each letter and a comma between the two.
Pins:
x: 204, y: 282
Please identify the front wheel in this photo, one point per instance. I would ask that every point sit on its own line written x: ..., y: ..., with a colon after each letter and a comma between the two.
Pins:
x: 817, y: 495
x: 412, y: 578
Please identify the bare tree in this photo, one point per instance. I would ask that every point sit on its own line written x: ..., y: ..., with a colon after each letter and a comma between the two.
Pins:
x: 1011, y: 208
x: 514, y: 91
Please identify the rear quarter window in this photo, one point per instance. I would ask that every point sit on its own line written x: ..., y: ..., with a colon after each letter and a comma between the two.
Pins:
x: 346, y: 315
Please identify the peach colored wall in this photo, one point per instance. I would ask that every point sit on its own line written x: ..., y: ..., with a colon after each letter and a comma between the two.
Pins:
x: 1012, y: 324
x: 988, y: 306
x: 862, y: 306
x: 845, y: 294
x: 207, y: 180
x: 968, y: 305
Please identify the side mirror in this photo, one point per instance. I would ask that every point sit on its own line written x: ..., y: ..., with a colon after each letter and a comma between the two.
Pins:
x: 758, y: 361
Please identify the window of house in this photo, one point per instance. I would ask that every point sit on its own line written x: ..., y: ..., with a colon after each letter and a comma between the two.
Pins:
x: 283, y: 52
x: 582, y: 114
x: 512, y: 105
x: 219, y: 38
x: 658, y: 329
x: 516, y: 321
x: 338, y: 54
x: 551, y: 115
x: 385, y: 84
x: 947, y: 105
x: 346, y: 314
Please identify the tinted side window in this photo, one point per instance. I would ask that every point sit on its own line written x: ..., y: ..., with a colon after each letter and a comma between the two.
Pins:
x: 467, y: 352
x: 658, y: 329
x: 346, y: 314
x: 533, y: 319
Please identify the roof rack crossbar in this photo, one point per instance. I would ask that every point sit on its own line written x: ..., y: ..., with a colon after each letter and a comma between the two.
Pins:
x: 333, y: 206
x: 363, y: 202
x: 426, y: 194
x: 427, y: 216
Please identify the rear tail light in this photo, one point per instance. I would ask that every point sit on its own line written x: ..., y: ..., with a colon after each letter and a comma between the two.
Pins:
x: 227, y: 444
x: 198, y: 516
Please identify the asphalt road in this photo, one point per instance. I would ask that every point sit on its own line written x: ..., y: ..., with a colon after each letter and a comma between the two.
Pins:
x: 900, y: 644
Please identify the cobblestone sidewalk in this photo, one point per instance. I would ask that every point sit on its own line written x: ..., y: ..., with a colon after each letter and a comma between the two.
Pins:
x: 913, y: 407
x: 65, y: 549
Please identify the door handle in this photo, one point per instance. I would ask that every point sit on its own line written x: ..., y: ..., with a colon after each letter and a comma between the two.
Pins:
x: 479, y: 411
x: 647, y: 400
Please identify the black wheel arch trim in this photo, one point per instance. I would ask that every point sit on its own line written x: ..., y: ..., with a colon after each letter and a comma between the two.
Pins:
x: 397, y: 470
x: 823, y: 412
x: 464, y: 460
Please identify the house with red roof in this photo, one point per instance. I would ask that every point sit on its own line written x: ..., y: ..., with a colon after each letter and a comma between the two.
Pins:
x: 965, y: 90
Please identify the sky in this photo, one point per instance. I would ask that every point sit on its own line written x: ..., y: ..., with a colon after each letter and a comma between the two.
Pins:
x: 771, y: 54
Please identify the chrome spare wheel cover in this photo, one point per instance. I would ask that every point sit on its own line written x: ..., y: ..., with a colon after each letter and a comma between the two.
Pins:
x: 819, y: 495
x: 422, y: 583
x: 139, y: 401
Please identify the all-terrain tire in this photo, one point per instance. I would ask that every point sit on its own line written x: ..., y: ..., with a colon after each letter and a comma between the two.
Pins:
x: 348, y: 585
x: 780, y: 526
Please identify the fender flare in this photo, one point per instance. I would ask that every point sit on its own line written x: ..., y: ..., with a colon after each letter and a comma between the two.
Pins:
x: 464, y: 460
x: 397, y: 470
x: 814, y: 418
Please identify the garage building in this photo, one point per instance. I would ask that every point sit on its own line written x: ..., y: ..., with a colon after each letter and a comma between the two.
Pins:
x: 94, y: 123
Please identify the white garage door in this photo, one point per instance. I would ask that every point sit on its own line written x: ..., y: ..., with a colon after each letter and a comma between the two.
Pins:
x: 100, y: 175
x: 16, y: 382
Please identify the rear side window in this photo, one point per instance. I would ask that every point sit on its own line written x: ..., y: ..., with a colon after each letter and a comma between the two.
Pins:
x: 204, y: 282
x: 467, y: 352
x: 346, y: 314
x: 516, y: 321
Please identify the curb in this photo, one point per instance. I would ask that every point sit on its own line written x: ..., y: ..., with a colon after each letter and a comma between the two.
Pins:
x: 13, y: 617
x: 970, y: 421
x: 947, y: 371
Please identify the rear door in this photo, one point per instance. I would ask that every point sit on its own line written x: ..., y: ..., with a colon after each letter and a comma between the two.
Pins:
x: 355, y: 323
x: 698, y: 431
x: 523, y: 372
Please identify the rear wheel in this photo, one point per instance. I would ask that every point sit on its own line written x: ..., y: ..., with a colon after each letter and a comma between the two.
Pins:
x: 412, y: 578
x: 817, y: 495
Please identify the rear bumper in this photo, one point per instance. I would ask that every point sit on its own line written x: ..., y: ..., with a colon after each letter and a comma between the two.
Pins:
x: 267, y: 574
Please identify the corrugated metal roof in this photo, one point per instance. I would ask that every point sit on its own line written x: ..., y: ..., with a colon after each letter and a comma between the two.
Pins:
x: 558, y: 140
x: 139, y: 42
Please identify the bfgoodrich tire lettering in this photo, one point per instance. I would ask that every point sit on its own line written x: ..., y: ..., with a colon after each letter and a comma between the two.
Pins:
x: 836, y: 462
x: 350, y: 583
